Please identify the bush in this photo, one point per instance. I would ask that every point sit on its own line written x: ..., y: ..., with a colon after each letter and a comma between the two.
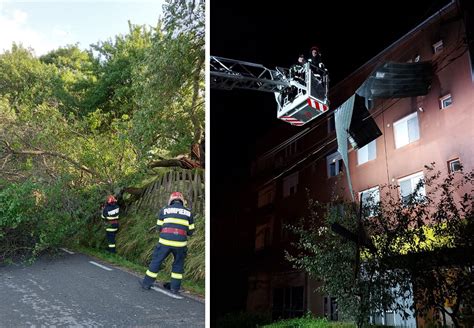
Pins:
x: 36, y: 217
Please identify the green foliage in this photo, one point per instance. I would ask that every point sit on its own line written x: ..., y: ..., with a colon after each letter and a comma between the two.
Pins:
x: 76, y: 125
x: 170, y: 86
x: 413, y: 239
x: 24, y: 80
x: 309, y: 321
x: 114, y: 93
x: 35, y: 217
x: 75, y: 74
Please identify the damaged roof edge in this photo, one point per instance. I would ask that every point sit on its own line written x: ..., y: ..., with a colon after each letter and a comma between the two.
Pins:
x: 444, y: 10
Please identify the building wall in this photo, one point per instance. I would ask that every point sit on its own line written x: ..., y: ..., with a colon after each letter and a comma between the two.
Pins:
x: 445, y: 134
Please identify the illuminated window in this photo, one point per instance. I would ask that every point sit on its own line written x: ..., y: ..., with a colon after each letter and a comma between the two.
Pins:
x: 406, y: 130
x: 370, y: 199
x: 410, y: 185
x: 367, y: 153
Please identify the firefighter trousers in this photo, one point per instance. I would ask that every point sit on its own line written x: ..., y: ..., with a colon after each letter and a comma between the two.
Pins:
x: 111, y: 231
x: 159, y: 255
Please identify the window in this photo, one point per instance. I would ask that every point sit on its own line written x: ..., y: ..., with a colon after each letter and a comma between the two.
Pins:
x: 454, y: 165
x: 438, y: 47
x: 445, y: 101
x: 367, y: 153
x: 331, y: 123
x: 288, y: 302
x: 266, y: 196
x: 408, y: 186
x: 330, y: 308
x: 406, y: 130
x: 370, y: 198
x: 290, y: 184
x: 263, y: 235
x: 334, y: 164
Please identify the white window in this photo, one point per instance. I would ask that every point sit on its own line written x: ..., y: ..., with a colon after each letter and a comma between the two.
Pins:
x: 367, y: 153
x: 445, y: 101
x: 408, y: 186
x: 406, y: 130
x: 370, y: 198
x: 454, y: 165
x: 290, y: 184
x: 334, y: 164
x: 438, y: 46
x: 266, y: 196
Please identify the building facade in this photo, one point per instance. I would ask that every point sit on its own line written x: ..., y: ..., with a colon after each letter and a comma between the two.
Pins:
x: 416, y: 131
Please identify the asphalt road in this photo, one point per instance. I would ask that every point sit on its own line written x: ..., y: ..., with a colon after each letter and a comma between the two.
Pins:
x: 69, y: 290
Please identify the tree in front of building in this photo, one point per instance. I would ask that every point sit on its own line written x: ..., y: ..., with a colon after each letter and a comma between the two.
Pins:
x: 410, y: 254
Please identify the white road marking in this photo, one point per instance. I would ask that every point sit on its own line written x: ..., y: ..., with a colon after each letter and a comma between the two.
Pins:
x: 167, y: 293
x: 67, y: 251
x: 100, y: 265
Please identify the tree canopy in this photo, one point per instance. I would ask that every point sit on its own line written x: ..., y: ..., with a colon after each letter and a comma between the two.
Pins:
x: 98, y: 119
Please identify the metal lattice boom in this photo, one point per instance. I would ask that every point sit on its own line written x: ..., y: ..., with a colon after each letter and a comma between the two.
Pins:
x: 228, y: 74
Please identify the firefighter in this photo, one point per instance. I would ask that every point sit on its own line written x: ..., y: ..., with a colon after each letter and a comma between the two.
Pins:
x: 297, y: 70
x: 110, y: 213
x: 317, y: 65
x: 175, y: 223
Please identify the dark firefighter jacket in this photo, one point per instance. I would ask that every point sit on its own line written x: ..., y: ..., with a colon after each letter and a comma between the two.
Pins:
x: 175, y: 223
x: 110, y: 212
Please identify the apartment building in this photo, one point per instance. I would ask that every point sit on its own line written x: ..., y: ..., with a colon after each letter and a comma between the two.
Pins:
x: 416, y: 131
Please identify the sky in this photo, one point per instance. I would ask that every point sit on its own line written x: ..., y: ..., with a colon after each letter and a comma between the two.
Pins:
x: 48, y: 25
x: 348, y: 33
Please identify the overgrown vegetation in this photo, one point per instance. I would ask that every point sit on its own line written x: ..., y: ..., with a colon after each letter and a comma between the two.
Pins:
x: 263, y: 320
x: 407, y: 254
x: 309, y: 322
x: 76, y: 125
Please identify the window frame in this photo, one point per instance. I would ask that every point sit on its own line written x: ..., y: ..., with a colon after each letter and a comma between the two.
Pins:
x: 443, y: 98
x: 450, y: 168
x: 438, y: 47
x: 286, y: 184
x: 413, y: 186
x: 405, y: 120
x: 374, y: 142
x: 335, y: 158
x: 372, y: 189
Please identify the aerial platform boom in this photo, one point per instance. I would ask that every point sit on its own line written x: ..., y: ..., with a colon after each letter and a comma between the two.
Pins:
x: 301, y: 95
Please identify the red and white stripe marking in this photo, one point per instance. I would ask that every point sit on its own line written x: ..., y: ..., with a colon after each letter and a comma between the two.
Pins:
x: 291, y: 120
x: 317, y: 105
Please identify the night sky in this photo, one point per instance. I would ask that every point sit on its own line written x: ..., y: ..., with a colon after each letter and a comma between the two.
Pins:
x: 348, y: 34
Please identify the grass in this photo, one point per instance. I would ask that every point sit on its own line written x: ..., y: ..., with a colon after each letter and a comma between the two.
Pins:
x: 194, y: 287
x: 309, y: 322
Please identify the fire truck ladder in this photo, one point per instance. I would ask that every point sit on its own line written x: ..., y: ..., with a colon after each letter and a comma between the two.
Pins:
x: 228, y: 74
